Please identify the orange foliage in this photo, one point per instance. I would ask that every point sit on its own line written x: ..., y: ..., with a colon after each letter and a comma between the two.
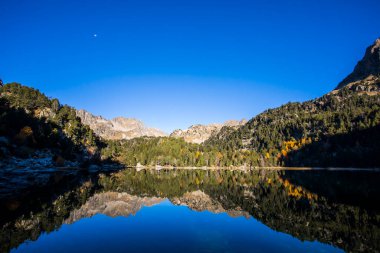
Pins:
x: 293, y: 145
x: 26, y: 133
x: 297, y: 191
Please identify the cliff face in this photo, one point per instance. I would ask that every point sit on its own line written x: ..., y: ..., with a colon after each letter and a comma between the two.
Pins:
x: 118, y: 128
x: 369, y: 65
x: 200, y: 133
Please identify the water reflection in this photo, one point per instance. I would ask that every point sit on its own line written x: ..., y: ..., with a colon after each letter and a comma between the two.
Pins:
x: 336, y: 208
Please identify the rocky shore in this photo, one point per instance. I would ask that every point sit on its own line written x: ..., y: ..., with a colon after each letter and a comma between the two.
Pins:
x: 23, y: 176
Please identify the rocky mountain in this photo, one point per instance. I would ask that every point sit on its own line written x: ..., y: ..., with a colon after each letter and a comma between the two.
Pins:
x: 128, y: 128
x: 369, y: 65
x: 118, y: 128
x: 200, y: 133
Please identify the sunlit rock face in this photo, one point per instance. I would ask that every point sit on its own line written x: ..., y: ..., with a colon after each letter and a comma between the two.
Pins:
x: 200, y: 133
x: 128, y: 128
x: 369, y: 65
x: 369, y: 86
x: 200, y: 201
x: 118, y: 128
x: 112, y: 204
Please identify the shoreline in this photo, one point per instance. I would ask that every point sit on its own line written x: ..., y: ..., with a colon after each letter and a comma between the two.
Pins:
x: 242, y: 168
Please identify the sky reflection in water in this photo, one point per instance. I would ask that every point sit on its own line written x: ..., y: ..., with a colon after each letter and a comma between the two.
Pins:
x: 169, y: 228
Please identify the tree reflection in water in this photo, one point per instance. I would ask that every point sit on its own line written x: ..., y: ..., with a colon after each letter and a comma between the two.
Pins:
x: 335, y: 207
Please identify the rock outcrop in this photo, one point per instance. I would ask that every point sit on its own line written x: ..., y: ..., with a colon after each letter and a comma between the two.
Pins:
x: 200, y: 133
x: 369, y: 86
x: 369, y: 65
x: 118, y: 128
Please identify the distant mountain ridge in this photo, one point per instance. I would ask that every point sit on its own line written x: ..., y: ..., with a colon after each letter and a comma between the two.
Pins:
x: 200, y: 133
x: 121, y: 128
x: 118, y: 128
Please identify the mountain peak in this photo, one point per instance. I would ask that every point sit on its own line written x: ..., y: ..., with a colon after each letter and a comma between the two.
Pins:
x: 117, y: 128
x: 199, y: 133
x: 369, y: 65
x: 376, y: 45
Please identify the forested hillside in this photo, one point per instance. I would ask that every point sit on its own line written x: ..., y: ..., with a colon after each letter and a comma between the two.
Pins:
x: 30, y: 121
x: 278, y: 134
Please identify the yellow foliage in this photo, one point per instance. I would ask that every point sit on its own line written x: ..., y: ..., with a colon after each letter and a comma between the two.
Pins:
x: 297, y: 191
x: 294, y: 145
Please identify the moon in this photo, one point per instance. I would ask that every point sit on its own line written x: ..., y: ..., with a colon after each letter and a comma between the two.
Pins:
x: 95, y: 35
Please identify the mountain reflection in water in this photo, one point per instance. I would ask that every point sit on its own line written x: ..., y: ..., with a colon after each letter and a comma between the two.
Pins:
x: 339, y: 208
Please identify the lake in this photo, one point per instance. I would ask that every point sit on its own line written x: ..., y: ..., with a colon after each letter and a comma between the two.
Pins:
x: 200, y: 211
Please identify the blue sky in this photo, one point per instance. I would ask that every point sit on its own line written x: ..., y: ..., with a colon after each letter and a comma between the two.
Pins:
x: 177, y: 63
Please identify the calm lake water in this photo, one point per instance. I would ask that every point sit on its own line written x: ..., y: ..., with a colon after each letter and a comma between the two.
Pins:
x: 202, y: 211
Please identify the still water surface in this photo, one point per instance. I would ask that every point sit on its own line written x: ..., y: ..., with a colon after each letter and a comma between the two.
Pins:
x: 206, y: 211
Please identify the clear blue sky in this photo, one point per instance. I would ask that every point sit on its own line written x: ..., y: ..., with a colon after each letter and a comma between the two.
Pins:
x: 177, y: 63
